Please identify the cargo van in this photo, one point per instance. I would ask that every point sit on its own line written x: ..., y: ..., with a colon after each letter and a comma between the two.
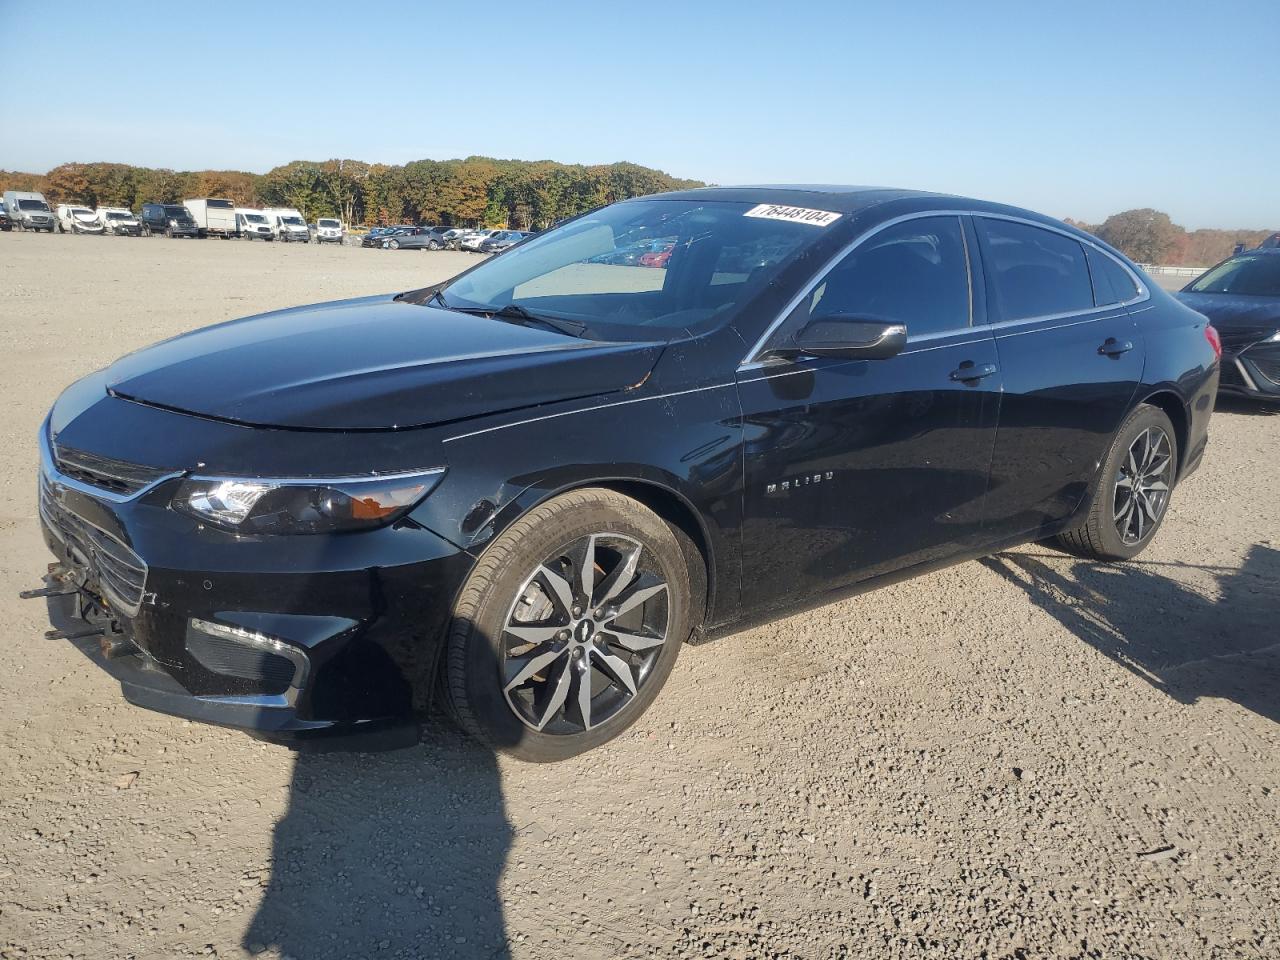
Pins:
x: 214, y: 217
x: 119, y: 221
x: 253, y: 224
x: 329, y: 230
x: 287, y: 224
x: 77, y: 218
x: 29, y: 210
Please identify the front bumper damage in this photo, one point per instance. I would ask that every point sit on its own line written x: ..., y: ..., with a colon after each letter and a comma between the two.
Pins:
x: 328, y: 644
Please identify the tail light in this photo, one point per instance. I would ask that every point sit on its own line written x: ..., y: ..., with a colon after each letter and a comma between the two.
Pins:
x: 1215, y: 341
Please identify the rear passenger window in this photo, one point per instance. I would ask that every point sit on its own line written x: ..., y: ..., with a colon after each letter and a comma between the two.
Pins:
x: 1033, y: 272
x: 915, y: 272
x: 1111, y: 282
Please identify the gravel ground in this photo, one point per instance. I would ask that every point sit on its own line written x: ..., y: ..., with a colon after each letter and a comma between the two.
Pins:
x: 1028, y: 756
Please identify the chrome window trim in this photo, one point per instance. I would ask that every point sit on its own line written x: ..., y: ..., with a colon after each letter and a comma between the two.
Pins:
x: 49, y: 465
x: 752, y: 359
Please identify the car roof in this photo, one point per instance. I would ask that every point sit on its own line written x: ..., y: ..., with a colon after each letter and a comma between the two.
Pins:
x: 848, y: 199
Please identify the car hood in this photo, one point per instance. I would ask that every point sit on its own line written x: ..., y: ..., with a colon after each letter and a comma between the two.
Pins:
x: 1224, y: 310
x: 371, y: 364
x: 1240, y: 321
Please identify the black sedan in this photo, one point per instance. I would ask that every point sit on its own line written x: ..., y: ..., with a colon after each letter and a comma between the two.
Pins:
x: 419, y: 238
x: 535, y: 482
x: 1241, y: 297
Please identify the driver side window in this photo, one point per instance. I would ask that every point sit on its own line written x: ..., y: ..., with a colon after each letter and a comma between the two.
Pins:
x: 915, y: 272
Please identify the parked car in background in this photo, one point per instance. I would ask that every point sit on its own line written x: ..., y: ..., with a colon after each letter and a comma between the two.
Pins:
x: 287, y: 224
x: 1241, y: 298
x: 503, y: 240
x: 375, y: 236
x: 214, y: 217
x: 119, y: 221
x: 329, y: 230
x: 453, y: 237
x: 29, y: 210
x: 418, y: 238
x: 75, y: 218
x: 253, y: 225
x: 5, y: 223
x: 167, y: 220
x: 537, y: 528
x: 472, y: 239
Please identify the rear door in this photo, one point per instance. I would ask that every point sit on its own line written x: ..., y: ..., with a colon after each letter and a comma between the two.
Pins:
x: 1071, y: 359
x: 855, y: 468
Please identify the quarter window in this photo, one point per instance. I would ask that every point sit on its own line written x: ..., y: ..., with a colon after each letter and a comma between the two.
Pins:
x: 1033, y: 272
x: 915, y: 272
x: 1111, y: 282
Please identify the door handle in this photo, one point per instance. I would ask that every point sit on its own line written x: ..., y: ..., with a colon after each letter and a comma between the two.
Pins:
x: 968, y: 372
x: 1114, y: 347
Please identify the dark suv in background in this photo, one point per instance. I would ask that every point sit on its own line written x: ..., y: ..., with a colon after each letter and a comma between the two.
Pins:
x: 169, y: 219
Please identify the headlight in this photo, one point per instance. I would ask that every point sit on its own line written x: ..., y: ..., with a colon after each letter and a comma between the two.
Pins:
x: 269, y: 506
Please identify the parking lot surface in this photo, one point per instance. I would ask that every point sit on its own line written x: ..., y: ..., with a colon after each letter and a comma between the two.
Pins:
x: 1026, y: 756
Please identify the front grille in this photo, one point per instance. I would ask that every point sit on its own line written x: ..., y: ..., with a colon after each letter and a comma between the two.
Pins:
x: 1235, y: 338
x: 1230, y: 375
x: 114, y: 476
x: 1267, y: 364
x: 118, y: 573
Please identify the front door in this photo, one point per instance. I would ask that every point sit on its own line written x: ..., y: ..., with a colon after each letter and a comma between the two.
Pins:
x: 855, y: 468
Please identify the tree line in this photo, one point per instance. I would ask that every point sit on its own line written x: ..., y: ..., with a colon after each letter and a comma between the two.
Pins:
x: 477, y: 191
x: 483, y: 191
x: 1151, y: 236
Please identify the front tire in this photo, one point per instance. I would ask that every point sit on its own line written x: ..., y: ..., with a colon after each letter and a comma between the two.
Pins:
x: 568, y: 626
x: 1132, y: 498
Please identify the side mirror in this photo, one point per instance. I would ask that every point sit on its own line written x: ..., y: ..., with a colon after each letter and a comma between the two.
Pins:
x: 851, y: 337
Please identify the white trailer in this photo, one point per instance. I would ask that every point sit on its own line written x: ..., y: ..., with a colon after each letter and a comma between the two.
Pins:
x: 213, y: 216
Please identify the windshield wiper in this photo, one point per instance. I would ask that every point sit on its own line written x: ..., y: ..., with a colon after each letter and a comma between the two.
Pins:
x: 513, y: 311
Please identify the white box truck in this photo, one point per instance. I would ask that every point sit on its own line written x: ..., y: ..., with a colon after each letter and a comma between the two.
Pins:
x: 288, y: 224
x: 214, y: 217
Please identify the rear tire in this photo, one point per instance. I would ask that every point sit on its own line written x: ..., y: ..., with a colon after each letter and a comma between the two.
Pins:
x: 598, y: 676
x: 1132, y: 497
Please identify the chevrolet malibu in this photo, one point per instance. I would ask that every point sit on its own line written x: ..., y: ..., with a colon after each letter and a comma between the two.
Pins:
x: 526, y: 488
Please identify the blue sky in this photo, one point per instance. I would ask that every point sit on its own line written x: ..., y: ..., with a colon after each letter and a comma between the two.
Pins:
x: 1076, y: 109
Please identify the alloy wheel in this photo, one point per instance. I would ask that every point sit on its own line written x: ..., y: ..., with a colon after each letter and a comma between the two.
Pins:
x: 583, y: 634
x: 1142, y: 486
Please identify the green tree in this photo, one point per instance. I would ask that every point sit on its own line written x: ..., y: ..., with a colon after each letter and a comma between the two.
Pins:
x: 1145, y: 235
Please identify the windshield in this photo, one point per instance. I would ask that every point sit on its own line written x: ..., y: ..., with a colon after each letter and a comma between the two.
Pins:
x: 117, y: 215
x: 710, y: 257
x: 178, y: 213
x: 1245, y: 276
x: 219, y: 204
x: 81, y: 212
x: 33, y: 205
x: 293, y: 221
x: 328, y: 223
x: 255, y: 218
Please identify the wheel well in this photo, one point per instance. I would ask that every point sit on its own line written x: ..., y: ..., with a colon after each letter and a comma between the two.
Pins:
x: 1177, y: 414
x: 694, y: 541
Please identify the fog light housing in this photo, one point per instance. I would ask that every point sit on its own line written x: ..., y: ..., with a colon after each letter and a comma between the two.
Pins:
x: 270, y: 665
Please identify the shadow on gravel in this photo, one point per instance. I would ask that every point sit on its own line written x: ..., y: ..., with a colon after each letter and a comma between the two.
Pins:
x: 394, y: 855
x: 1179, y: 641
x: 389, y: 855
